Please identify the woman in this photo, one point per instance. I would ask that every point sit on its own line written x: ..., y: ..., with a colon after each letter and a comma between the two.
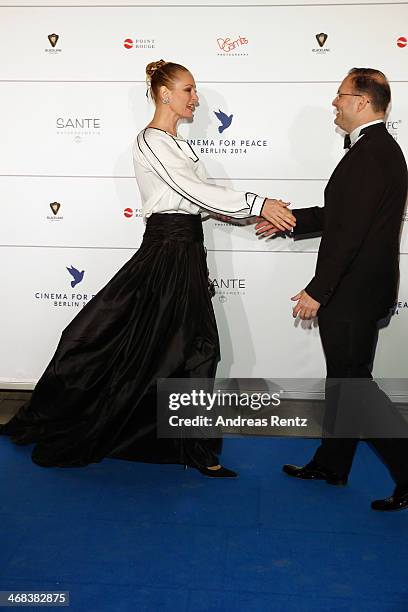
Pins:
x: 154, y: 319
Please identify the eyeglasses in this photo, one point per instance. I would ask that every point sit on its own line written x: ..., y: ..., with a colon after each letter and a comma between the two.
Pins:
x: 338, y: 95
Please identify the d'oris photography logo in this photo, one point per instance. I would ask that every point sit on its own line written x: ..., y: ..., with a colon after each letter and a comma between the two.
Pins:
x: 53, y: 40
x: 232, y: 46
x: 321, y: 41
x: 64, y: 298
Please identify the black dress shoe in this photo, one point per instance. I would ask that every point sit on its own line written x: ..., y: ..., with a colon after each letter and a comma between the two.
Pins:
x: 222, y: 472
x: 397, y: 501
x: 312, y: 472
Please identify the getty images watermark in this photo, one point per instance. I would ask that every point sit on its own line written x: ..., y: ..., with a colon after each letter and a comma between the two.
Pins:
x: 339, y: 408
x: 195, y: 408
x: 205, y: 401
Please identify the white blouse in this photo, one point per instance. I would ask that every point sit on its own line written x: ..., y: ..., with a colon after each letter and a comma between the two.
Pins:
x: 172, y: 179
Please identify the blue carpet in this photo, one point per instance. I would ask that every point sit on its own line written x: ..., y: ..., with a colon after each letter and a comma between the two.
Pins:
x: 124, y: 536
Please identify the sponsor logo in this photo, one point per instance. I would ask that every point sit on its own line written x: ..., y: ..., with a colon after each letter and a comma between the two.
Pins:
x: 230, y: 46
x: 400, y: 307
x: 237, y: 144
x: 63, y: 299
x: 402, y: 42
x: 78, y: 128
x: 226, y: 288
x: 132, y: 212
x: 224, y: 119
x: 139, y: 43
x: 394, y: 127
x: 321, y: 41
x: 53, y: 39
x: 77, y: 276
x: 55, y: 207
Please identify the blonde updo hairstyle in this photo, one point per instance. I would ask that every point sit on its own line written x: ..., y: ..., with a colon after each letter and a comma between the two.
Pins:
x: 160, y: 74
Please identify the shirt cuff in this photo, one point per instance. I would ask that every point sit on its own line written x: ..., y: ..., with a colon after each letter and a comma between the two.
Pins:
x: 255, y: 203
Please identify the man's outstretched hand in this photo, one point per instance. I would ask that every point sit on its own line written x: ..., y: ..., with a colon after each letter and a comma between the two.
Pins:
x: 306, y: 307
x: 264, y: 228
x: 277, y: 213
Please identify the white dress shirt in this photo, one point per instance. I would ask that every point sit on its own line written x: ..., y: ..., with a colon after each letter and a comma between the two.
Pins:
x: 355, y: 134
x: 172, y: 179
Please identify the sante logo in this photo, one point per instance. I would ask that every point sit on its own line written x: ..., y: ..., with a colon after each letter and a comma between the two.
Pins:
x: 402, y: 42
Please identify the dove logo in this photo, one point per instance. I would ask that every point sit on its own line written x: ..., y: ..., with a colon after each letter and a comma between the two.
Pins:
x: 76, y: 275
x: 224, y: 119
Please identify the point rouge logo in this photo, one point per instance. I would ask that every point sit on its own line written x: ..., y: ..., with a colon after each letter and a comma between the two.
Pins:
x: 139, y: 43
x: 402, y: 42
x: 229, y: 46
x: 132, y: 212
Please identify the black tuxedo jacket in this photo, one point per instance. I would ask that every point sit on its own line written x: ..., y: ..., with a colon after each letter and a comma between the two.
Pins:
x: 357, y: 268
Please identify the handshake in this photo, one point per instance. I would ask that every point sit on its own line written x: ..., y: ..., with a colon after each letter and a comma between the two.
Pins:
x: 275, y: 217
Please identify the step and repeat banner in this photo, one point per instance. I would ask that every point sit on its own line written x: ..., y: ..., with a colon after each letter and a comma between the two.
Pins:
x: 73, y: 98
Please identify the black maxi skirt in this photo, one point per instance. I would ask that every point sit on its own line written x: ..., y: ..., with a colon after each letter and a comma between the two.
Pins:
x: 154, y: 319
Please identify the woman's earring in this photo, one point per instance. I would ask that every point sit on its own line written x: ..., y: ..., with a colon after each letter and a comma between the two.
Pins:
x: 165, y: 101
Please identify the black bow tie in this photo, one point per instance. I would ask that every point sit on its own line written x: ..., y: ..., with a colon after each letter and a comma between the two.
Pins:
x: 347, y: 142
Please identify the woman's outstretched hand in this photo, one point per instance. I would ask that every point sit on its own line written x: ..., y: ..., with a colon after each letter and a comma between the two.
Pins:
x: 277, y: 213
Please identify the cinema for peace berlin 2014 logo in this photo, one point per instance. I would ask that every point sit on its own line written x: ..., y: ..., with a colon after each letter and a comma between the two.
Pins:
x: 239, y: 143
x: 66, y: 299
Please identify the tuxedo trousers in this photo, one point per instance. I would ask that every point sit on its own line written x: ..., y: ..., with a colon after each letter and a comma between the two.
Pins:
x: 349, y: 347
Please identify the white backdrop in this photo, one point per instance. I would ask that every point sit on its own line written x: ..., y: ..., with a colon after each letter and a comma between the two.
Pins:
x: 69, y: 115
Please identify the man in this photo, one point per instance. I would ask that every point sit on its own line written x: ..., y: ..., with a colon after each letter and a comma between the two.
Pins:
x: 356, y: 278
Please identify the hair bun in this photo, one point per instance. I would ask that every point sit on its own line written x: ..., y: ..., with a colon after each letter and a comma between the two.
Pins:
x: 152, y: 67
